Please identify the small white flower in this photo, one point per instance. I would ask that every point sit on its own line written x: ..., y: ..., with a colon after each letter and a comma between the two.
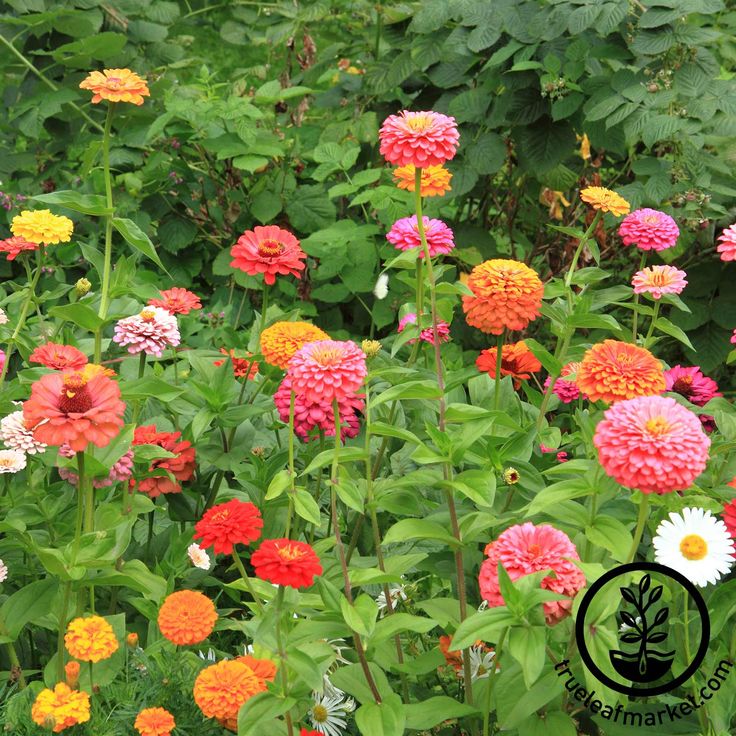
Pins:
x: 481, y: 662
x: 3, y: 572
x: 208, y: 656
x: 380, y: 290
x: 17, y: 436
x: 198, y: 556
x: 625, y: 627
x: 329, y: 713
x: 11, y: 461
x: 396, y: 593
x: 3, y: 317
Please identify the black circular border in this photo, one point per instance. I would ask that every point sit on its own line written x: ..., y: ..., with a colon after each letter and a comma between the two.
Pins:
x: 662, y: 570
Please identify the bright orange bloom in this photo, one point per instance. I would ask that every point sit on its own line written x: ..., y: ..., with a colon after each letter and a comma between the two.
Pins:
x: 265, y: 669
x: 281, y: 340
x: 600, y: 198
x: 242, y: 367
x: 506, y: 295
x: 187, y: 617
x: 612, y: 370
x: 154, y: 722
x: 516, y: 361
x: 435, y: 180
x: 222, y: 688
x: 116, y: 85
x: 90, y: 639
x: 60, y: 708
x: 71, y: 671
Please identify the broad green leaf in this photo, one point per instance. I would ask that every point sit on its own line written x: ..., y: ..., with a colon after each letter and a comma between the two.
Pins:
x: 418, y: 529
x: 433, y: 711
x: 31, y: 603
x: 486, y: 625
x: 257, y: 713
x: 306, y: 507
x: 138, y: 239
x: 526, y: 645
x: 88, y: 204
x: 409, y: 390
x: 386, y: 719
x: 78, y: 313
x: 398, y: 622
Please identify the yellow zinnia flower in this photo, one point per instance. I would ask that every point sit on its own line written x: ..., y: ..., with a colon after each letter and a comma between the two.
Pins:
x: 600, y: 198
x: 116, y: 85
x: 435, y: 180
x: 41, y: 226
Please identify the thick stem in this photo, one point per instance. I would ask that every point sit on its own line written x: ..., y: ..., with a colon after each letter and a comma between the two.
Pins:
x: 655, y: 314
x: 635, y: 320
x: 497, y: 378
x: 264, y: 308
x: 640, y: 524
x: 88, y: 490
x: 15, y: 666
x: 243, y: 574
x: 62, y: 631
x: 292, y: 474
x: 282, y: 655
x: 141, y: 371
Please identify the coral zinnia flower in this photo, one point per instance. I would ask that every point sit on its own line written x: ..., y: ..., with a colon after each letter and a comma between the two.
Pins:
x: 613, y: 370
x: 187, y: 617
x: 729, y: 516
x: 116, y: 85
x: 404, y: 234
x: 524, y: 549
x: 14, y: 246
x: 151, y: 331
x: 222, y: 688
x: 726, y: 244
x: 286, y: 562
x: 61, y: 706
x: 76, y: 408
x: 435, y: 180
x: 177, y: 301
x: 90, y: 639
x: 42, y: 227
x: 652, y: 444
x: 427, y: 334
x: 418, y: 138
x: 649, y: 229
x: 58, y: 357
x: 566, y: 389
x: 600, y: 198
x: 181, y: 467
x: 281, y: 340
x: 506, y: 295
x: 16, y: 434
x: 228, y: 524
x: 154, y: 722
x: 689, y: 381
x: 516, y: 361
x: 269, y: 250
x: 659, y: 280
x: 242, y: 368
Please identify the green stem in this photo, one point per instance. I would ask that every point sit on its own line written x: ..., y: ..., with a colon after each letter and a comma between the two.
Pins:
x: 497, y: 378
x: 292, y: 473
x: 15, y: 666
x: 640, y: 524
x: 702, y: 713
x: 62, y: 631
x: 491, y: 681
x: 243, y: 574
x: 91, y: 677
x: 655, y: 314
x: 88, y: 490
x: 141, y: 372
x: 264, y: 308
x: 281, y: 651
x: 635, y: 321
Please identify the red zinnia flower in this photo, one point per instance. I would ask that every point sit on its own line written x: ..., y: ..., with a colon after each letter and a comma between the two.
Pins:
x: 729, y: 516
x: 286, y: 562
x: 517, y: 361
x: 419, y: 138
x: 241, y: 366
x: 177, y: 301
x: 228, y: 524
x: 58, y: 357
x: 271, y: 251
x: 181, y: 467
x: 16, y: 245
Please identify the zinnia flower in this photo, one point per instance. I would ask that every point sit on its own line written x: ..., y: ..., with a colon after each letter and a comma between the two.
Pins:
x: 652, y: 444
x: 121, y: 470
x: 281, y: 340
x: 222, y: 688
x: 13, y: 247
x: 305, y: 732
x: 689, y: 381
x: 151, y: 331
x: 76, y: 408
x: 187, y: 617
x: 177, y: 301
x: 600, y: 198
x: 286, y: 562
x: 659, y: 280
x: 198, y: 556
x: 71, y: 673
x: 649, y: 229
x: 90, y: 639
x: 565, y: 388
x: 116, y: 85
x: 435, y: 180
x: 427, y: 334
x: 327, y: 370
x: 61, y: 706
x: 506, y: 295
x: 404, y: 235
x: 242, y: 368
x: 181, y: 467
x: 729, y: 516
x: 3, y: 572
x: 58, y: 357
x: 612, y: 370
x: 516, y: 361
x: 228, y: 524
x: 733, y: 338
x: 42, y: 227
x: 12, y: 461
x: 525, y: 549
x: 418, y: 138
x: 726, y: 244
x: 3, y: 318
x: 264, y: 670
x: 154, y: 722
x: 269, y: 250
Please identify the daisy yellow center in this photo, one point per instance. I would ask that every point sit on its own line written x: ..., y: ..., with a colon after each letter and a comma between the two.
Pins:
x: 320, y: 714
x: 289, y: 553
x: 270, y: 248
x: 328, y: 356
x: 75, y: 398
x: 657, y: 426
x: 693, y: 547
x: 419, y: 123
x: 147, y: 315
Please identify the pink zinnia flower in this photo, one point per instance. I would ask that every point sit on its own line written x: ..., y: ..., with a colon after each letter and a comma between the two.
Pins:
x: 733, y: 341
x: 649, y: 229
x: 691, y: 383
x: 525, y: 549
x: 14, y: 246
x: 269, y: 250
x: 726, y: 244
x: 565, y: 389
x: 326, y: 370
x: 729, y: 516
x: 58, y: 357
x: 151, y: 331
x: 404, y: 234
x: 427, y: 334
x: 659, y: 280
x: 177, y: 301
x: 562, y: 456
x: 120, y: 471
x: 652, y: 444
x: 418, y: 138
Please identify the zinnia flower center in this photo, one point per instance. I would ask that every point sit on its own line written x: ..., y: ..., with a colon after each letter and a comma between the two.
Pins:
x: 270, y: 248
x: 419, y: 123
x: 289, y: 553
x: 114, y: 81
x: 328, y: 356
x: 320, y: 714
x: 683, y: 385
x: 657, y: 426
x: 6, y: 462
x: 75, y: 398
x: 219, y: 516
x: 651, y: 219
x: 658, y: 278
x: 147, y: 315
x: 535, y: 550
x: 694, y: 547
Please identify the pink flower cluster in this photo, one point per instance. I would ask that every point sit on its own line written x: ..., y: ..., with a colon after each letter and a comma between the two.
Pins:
x: 565, y: 388
x: 649, y: 229
x: 404, y: 234
x: 427, y: 334
x: 151, y: 331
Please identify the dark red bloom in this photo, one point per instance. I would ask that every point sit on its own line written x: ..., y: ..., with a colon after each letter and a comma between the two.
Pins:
x: 286, y: 562
x: 177, y: 301
x: 181, y: 467
x: 228, y: 524
x: 58, y: 357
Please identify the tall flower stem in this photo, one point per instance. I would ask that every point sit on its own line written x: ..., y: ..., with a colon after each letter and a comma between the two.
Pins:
x: 141, y: 371
x: 63, y: 613
x: 491, y: 682
x: 243, y: 574
x: 282, y: 655
x: 292, y: 473
x: 702, y: 712
x: 635, y: 320
x: 264, y: 307
x: 15, y: 666
x: 640, y: 524
x: 497, y: 379
x: 653, y: 323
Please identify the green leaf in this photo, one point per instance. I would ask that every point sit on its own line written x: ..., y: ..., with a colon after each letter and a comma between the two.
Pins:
x: 32, y: 602
x: 257, y: 713
x: 409, y: 390
x: 78, y: 313
x: 486, y: 625
x: 346, y: 454
x: 309, y: 208
x: 664, y: 325
x: 88, y: 204
x: 526, y: 645
x: 138, y: 239
x: 361, y: 615
x: 150, y: 387
x: 279, y: 483
x: 306, y: 507
x: 398, y: 622
x: 433, y: 711
x: 418, y: 529
x: 609, y: 533
x: 381, y: 429
x: 386, y: 719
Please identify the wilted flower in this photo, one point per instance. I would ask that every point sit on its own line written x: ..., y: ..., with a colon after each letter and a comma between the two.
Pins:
x: 605, y: 200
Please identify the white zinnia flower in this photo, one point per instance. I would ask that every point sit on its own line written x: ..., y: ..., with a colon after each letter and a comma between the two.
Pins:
x: 11, y: 461
x: 396, y: 593
x: 329, y: 713
x: 198, y: 556
x: 695, y: 544
x: 3, y: 572
x: 17, y: 436
x: 380, y: 290
x: 3, y: 317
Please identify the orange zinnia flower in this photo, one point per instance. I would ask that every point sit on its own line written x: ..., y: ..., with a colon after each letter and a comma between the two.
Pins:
x: 506, y: 295
x: 116, y: 85
x: 600, y: 198
x: 90, y: 639
x: 154, y: 722
x: 435, y: 180
x: 281, y: 340
x: 222, y: 688
x: 516, y: 361
x: 60, y: 708
x: 187, y: 617
x: 612, y: 370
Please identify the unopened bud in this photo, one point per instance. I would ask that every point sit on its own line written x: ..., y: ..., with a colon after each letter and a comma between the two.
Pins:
x: 258, y: 451
x: 71, y: 669
x: 511, y: 476
x: 371, y: 348
x: 132, y: 640
x: 49, y: 723
x: 82, y: 287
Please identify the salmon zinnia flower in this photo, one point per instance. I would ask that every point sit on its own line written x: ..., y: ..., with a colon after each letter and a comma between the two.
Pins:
x: 177, y: 301
x: 58, y: 357
x: 435, y: 180
x: 228, y: 524
x: 62, y: 707
x: 42, y: 227
x: 658, y: 281
x: 418, y: 138
x: 286, y: 562
x: 269, y: 250
x: 516, y: 361
x: 404, y: 235
x: 612, y: 370
x: 649, y: 229
x: 116, y: 85
x: 600, y: 198
x: 13, y: 247
x: 726, y: 244
x: 74, y: 407
x: 281, y: 340
x: 506, y: 295
x: 154, y: 722
x: 187, y: 617
x: 181, y: 467
x: 222, y: 688
x: 150, y: 331
x: 90, y: 639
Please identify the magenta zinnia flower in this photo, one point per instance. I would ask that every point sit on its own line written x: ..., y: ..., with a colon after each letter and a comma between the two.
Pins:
x: 565, y: 388
x: 427, y: 334
x: 727, y: 243
x: 659, y: 280
x: 525, y: 549
x: 418, y: 138
x: 652, y: 444
x: 151, y: 331
x: 649, y: 229
x: 404, y: 234
x: 691, y: 383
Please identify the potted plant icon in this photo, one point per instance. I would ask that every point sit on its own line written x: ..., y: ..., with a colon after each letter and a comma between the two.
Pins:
x: 646, y: 664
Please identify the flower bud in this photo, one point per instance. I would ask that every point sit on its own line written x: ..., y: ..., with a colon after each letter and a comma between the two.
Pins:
x: 82, y: 287
x: 371, y: 348
x: 511, y: 476
x: 71, y: 670
x: 132, y: 640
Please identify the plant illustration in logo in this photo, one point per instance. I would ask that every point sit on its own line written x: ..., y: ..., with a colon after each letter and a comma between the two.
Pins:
x: 647, y: 664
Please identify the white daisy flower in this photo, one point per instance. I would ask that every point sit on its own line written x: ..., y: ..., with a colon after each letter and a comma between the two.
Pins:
x: 3, y: 572
x: 17, y: 436
x: 695, y: 544
x: 198, y: 556
x: 11, y: 461
x: 396, y: 593
x: 481, y: 663
x: 380, y: 290
x: 328, y: 713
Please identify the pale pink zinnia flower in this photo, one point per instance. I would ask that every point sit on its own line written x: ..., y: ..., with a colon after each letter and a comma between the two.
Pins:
x: 427, y: 334
x: 565, y: 388
x: 327, y: 369
x: 525, y: 549
x: 649, y: 229
x: 652, y: 444
x: 659, y: 280
x: 727, y: 243
x: 198, y: 556
x: 151, y: 331
x: 122, y: 470
x: 11, y: 461
x: 17, y: 436
x: 419, y: 138
x: 404, y: 234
